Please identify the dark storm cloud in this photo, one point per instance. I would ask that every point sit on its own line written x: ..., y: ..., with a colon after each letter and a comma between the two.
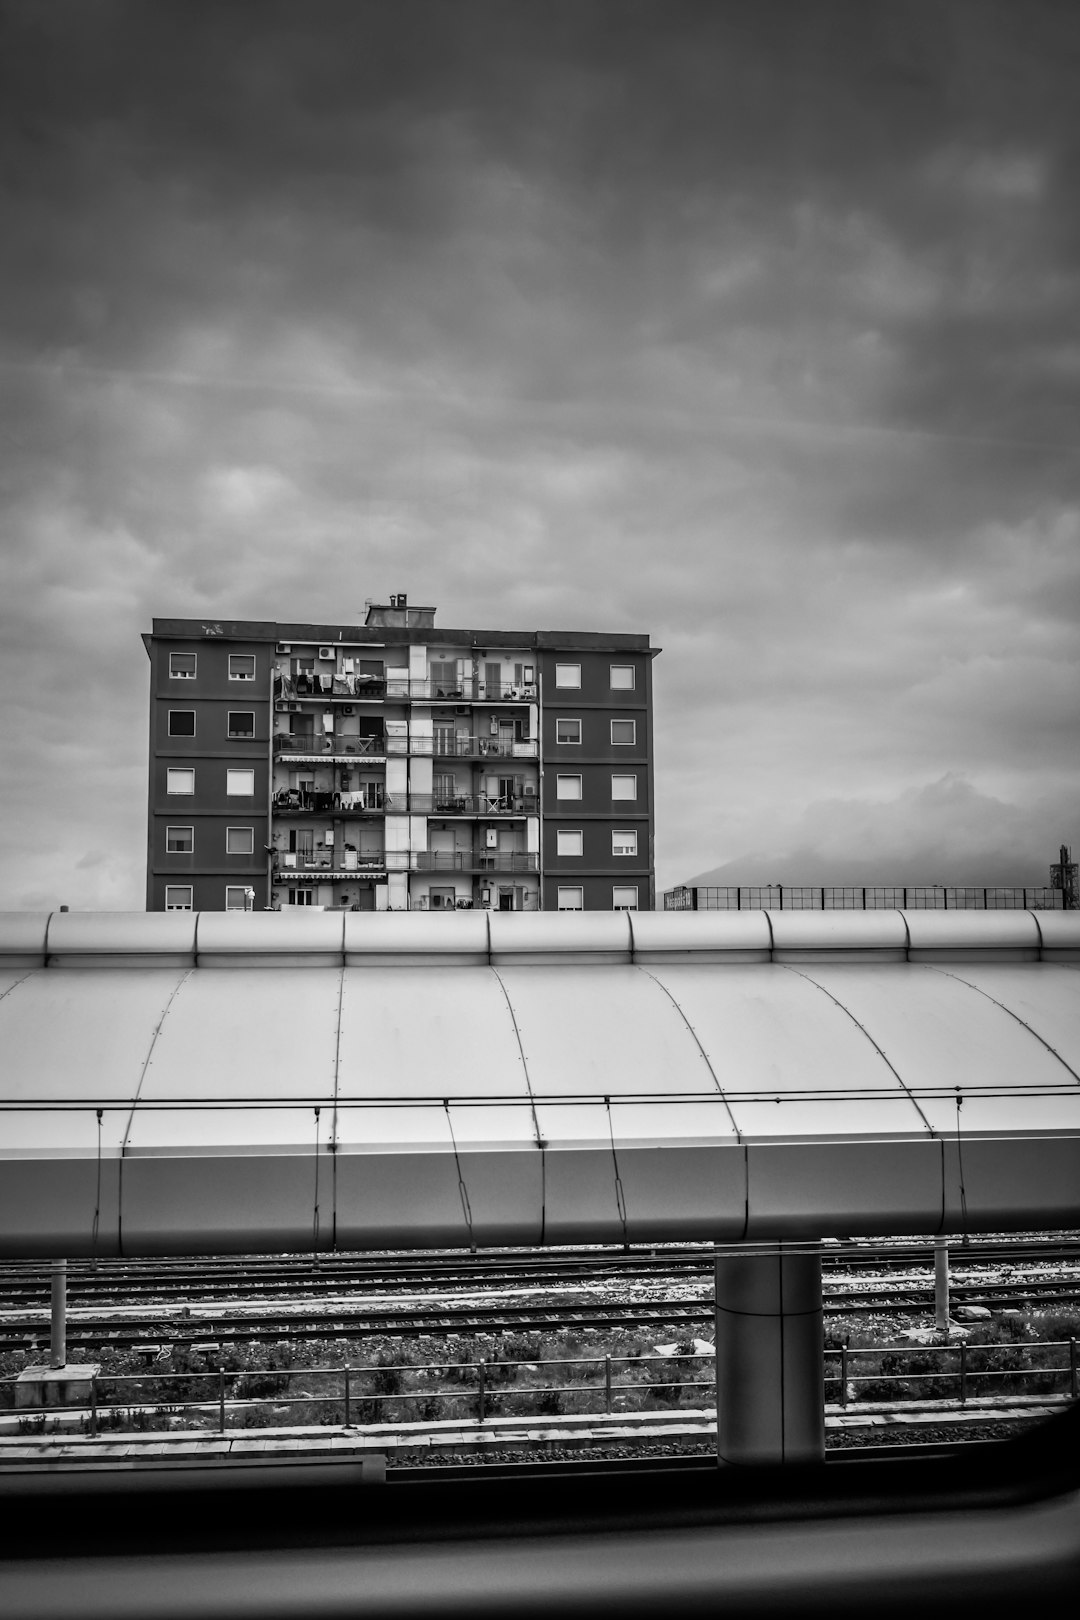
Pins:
x: 749, y: 324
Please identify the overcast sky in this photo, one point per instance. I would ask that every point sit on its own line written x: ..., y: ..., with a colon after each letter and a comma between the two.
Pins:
x: 751, y: 324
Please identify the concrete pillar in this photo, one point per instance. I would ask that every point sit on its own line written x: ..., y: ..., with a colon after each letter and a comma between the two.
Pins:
x: 770, y: 1356
x: 58, y: 1324
x: 941, y: 1283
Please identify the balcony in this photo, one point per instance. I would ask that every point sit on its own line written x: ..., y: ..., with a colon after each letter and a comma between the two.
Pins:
x: 449, y: 746
x: 473, y: 860
x: 326, y: 863
x: 337, y: 688
x: 321, y: 747
x: 424, y: 690
x: 471, y: 804
x: 371, y: 800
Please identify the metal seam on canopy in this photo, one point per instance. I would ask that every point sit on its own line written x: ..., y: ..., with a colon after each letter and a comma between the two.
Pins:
x: 27, y: 975
x: 837, y: 1002
x: 463, y: 1191
x: 936, y: 968
x: 540, y: 1141
x: 620, y: 1197
x: 701, y: 1049
x: 135, y: 1102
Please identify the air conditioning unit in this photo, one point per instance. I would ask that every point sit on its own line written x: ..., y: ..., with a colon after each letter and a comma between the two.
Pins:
x: 530, y: 790
x: 283, y: 646
x: 347, y: 708
x: 283, y: 708
x: 294, y: 706
x: 461, y: 708
x: 327, y: 652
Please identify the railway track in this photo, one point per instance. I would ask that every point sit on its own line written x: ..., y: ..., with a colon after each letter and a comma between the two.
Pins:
x: 184, y: 1303
x: 443, y: 1320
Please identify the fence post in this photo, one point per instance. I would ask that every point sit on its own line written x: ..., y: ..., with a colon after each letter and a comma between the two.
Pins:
x: 607, y: 1379
x: 93, y: 1403
x: 843, y: 1374
x: 221, y: 1399
x: 480, y: 1389
x: 963, y: 1372
x: 1073, y: 1391
x: 348, y: 1397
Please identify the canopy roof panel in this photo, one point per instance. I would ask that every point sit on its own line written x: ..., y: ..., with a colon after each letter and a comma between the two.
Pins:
x: 609, y: 1078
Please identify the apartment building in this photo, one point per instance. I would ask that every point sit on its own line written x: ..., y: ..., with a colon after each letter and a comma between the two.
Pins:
x: 395, y: 765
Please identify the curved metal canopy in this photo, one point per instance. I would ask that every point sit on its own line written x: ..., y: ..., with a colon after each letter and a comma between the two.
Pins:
x: 211, y: 1083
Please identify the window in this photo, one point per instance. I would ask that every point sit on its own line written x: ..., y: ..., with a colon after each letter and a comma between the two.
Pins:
x: 181, y: 722
x: 624, y: 787
x: 624, y: 897
x: 239, y: 784
x: 624, y: 731
x: 570, y: 899
x: 241, y: 666
x: 622, y: 677
x: 241, y: 722
x: 624, y: 841
x: 568, y: 787
x: 179, y: 780
x: 239, y: 840
x: 179, y: 840
x: 301, y: 897
x: 568, y: 841
x: 568, y: 731
x: 568, y: 675
x: 182, y: 666
x: 178, y: 897
x: 236, y: 896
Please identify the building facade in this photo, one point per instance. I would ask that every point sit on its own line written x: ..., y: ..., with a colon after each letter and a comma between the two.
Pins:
x: 393, y: 766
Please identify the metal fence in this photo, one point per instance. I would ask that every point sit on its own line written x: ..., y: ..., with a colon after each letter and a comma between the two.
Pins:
x: 848, y: 897
x: 954, y: 1374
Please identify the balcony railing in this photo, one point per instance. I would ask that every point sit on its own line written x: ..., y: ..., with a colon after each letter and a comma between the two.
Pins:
x: 471, y: 804
x: 324, y: 745
x: 473, y: 860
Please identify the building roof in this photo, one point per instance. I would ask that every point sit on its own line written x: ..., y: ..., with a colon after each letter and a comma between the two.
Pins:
x: 234, y: 1082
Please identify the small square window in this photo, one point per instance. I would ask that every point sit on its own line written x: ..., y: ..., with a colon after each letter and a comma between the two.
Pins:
x: 568, y: 675
x: 239, y: 784
x: 624, y: 787
x: 624, y: 731
x: 239, y: 840
x: 239, y: 897
x: 568, y: 731
x: 570, y: 899
x: 568, y: 787
x: 182, y: 666
x: 178, y: 897
x: 568, y: 841
x: 179, y: 840
x: 241, y: 666
x: 624, y: 897
x: 179, y: 780
x: 624, y: 841
x: 622, y: 677
x: 241, y: 722
x: 181, y: 722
